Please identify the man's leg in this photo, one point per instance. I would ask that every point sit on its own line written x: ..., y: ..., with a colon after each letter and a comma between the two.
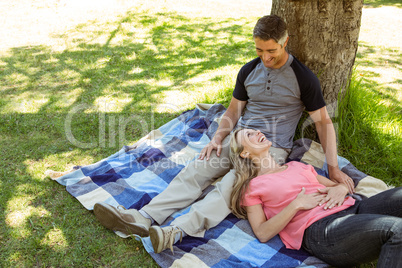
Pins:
x: 183, y: 190
x: 214, y: 208
x: 279, y: 154
x: 188, y: 185
x: 209, y: 211
x: 204, y: 214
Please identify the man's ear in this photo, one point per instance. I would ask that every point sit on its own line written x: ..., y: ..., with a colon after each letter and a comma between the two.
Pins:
x: 286, y: 42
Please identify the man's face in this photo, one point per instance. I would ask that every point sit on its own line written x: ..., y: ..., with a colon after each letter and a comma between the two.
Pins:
x: 272, y: 54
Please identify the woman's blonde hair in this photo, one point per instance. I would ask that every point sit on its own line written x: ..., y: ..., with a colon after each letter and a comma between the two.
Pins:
x: 246, y: 170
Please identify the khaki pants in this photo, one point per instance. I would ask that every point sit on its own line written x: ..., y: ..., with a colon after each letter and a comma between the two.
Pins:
x: 187, y: 187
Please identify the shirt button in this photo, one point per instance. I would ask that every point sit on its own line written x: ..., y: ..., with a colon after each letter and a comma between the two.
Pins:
x: 269, y: 81
x: 268, y: 88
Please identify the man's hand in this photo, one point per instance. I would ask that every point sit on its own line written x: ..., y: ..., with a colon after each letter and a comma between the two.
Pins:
x: 212, y: 145
x: 336, y: 175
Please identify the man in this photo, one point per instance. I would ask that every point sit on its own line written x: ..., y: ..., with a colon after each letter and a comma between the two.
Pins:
x: 271, y: 93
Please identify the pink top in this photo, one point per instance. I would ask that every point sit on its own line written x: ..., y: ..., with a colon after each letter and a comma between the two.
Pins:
x: 275, y: 191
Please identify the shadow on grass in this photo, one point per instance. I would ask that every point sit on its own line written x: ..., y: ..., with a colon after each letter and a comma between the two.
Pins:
x: 370, y: 59
x: 370, y: 115
x: 134, y: 65
x: 101, y: 91
x: 370, y: 134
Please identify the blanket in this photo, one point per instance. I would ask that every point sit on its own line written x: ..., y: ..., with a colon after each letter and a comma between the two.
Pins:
x: 137, y: 173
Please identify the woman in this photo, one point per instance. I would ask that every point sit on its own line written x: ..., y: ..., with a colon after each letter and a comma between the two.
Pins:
x: 310, y: 211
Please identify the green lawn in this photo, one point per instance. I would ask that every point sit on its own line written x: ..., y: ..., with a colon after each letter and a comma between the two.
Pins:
x: 105, y: 84
x: 115, y: 82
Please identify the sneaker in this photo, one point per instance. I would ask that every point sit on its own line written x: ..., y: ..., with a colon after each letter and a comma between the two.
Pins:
x: 163, y: 238
x: 127, y: 221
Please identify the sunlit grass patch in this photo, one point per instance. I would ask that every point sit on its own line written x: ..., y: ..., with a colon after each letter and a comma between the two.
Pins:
x: 102, y: 82
x: 131, y: 55
x: 55, y: 240
x: 379, y: 65
x: 371, y: 131
x: 371, y: 113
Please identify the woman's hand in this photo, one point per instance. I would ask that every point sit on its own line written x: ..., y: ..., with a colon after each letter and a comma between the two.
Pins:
x: 266, y: 229
x: 305, y: 201
x: 335, y: 195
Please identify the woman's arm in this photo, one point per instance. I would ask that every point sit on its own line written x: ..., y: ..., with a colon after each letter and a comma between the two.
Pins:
x: 265, y: 229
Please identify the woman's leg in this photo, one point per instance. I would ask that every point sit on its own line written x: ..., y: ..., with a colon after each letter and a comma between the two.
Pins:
x: 386, y: 203
x: 370, y: 229
x: 344, y: 239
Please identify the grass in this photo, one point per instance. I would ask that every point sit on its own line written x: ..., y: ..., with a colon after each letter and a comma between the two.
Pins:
x: 104, y: 83
x: 379, y: 3
x: 370, y: 115
x: 114, y: 82
x: 370, y: 132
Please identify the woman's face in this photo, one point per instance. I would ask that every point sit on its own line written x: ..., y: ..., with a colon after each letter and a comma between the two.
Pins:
x: 253, y: 141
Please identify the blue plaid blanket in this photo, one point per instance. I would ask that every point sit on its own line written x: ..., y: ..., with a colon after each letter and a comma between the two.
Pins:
x: 137, y: 173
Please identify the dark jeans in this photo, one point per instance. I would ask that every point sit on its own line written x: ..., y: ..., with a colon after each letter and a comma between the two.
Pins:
x: 371, y: 229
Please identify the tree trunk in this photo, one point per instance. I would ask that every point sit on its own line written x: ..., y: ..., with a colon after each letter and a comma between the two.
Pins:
x: 324, y: 36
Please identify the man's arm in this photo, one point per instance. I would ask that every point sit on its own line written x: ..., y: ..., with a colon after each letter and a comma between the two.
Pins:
x: 326, y: 133
x: 228, y: 122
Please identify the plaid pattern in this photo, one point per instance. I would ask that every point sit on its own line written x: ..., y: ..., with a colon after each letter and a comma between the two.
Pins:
x: 137, y: 173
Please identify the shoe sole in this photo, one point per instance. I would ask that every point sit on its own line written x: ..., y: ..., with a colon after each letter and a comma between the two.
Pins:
x: 109, y: 217
x: 154, y: 234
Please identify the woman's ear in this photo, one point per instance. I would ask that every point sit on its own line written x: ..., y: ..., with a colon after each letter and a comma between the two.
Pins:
x: 244, y: 154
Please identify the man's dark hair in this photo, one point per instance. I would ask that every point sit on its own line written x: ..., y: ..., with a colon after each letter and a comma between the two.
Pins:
x: 271, y: 27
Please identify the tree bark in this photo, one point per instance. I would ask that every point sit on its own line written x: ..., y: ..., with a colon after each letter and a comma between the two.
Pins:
x: 324, y: 36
